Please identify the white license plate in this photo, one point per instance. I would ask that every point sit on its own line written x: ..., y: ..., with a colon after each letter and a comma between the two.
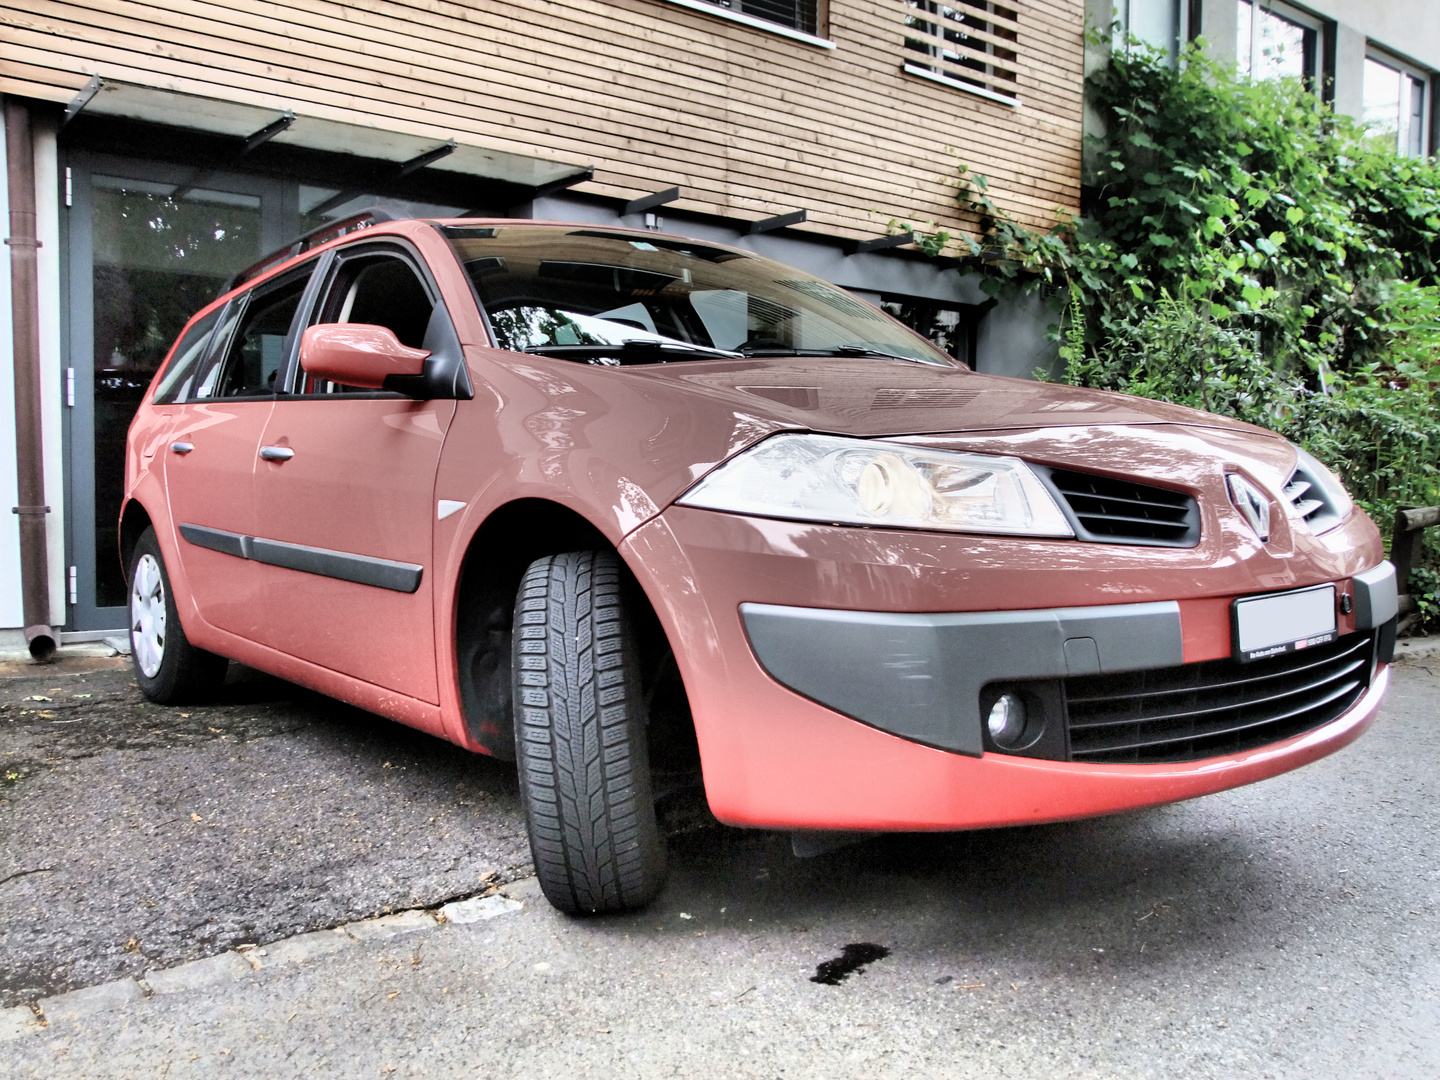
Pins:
x: 1284, y: 622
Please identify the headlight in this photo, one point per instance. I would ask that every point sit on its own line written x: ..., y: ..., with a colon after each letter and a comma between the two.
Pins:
x: 859, y: 482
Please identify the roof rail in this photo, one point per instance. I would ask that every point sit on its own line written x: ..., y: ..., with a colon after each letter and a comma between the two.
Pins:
x: 331, y: 230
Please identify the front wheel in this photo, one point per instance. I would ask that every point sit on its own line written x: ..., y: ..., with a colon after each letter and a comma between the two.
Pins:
x: 580, y: 737
x: 168, y: 668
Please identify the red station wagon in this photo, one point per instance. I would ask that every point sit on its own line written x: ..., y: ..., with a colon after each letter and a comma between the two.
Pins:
x: 633, y: 509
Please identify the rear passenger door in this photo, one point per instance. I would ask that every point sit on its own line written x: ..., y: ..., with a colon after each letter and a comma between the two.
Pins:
x: 345, y: 505
x: 222, y: 402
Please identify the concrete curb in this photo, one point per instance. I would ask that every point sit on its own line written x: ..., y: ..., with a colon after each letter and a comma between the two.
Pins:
x: 80, y: 650
x: 1417, y: 648
x: 242, y: 962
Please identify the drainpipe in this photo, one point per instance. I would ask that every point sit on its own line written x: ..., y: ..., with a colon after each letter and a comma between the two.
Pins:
x: 25, y: 317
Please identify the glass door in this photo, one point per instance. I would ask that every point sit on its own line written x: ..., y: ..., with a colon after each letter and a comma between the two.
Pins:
x: 147, y: 246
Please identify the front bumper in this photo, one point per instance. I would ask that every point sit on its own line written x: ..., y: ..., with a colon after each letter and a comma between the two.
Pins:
x: 922, y: 676
x: 789, y: 756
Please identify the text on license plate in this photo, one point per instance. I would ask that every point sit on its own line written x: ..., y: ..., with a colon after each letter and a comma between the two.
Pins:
x: 1282, y: 623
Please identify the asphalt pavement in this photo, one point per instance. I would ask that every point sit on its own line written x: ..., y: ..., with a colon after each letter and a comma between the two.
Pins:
x: 1287, y: 929
x: 133, y: 835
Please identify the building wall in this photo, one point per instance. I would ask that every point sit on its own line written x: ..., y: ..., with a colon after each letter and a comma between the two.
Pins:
x: 1408, y: 28
x: 749, y: 123
x: 651, y: 94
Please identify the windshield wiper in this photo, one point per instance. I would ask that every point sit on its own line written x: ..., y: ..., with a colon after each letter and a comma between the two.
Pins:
x: 635, y: 351
x: 839, y: 350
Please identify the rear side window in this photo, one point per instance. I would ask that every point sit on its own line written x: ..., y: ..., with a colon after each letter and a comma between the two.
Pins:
x: 185, y: 360
x: 256, y: 352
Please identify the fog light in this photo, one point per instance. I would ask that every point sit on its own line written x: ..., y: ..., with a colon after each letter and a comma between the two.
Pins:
x: 1006, y: 721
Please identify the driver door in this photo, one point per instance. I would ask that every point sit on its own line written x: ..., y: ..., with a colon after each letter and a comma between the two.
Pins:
x: 345, y: 494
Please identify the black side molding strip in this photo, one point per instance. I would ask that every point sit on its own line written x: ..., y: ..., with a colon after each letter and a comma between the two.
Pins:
x: 361, y: 569
x: 217, y: 540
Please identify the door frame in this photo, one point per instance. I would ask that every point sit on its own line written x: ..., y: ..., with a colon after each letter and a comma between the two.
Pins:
x: 279, y: 218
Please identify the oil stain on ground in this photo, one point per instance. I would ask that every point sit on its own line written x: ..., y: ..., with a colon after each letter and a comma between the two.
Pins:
x: 852, y: 960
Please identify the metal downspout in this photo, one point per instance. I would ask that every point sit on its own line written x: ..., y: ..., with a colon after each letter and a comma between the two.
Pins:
x: 25, y: 317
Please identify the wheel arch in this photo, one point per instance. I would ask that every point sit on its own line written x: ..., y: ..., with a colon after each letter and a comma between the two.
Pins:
x: 134, y: 520
x: 512, y: 537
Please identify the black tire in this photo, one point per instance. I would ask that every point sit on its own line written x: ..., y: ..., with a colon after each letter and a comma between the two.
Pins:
x: 168, y: 668
x: 580, y: 737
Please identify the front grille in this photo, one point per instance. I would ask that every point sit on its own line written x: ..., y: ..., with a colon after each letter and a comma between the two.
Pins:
x: 1107, y: 510
x: 1308, y: 498
x: 1216, y: 707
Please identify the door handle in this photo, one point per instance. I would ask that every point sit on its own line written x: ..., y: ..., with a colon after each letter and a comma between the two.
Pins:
x: 276, y: 453
x: 181, y: 448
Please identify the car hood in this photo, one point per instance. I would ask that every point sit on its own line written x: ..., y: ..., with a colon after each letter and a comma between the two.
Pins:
x: 629, y: 441
x: 878, y: 398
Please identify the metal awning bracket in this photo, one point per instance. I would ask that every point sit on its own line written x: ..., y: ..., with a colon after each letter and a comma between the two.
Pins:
x: 81, y: 99
x: 780, y: 221
x: 650, y: 202
x: 268, y: 132
x: 419, y: 162
x: 880, y: 243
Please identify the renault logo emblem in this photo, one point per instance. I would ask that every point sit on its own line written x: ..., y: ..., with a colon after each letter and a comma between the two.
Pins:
x: 1253, y: 504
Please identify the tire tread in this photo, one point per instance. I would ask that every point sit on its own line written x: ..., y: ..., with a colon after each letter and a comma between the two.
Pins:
x: 580, y: 737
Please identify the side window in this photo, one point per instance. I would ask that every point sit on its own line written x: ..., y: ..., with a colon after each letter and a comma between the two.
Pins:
x: 381, y: 290
x: 202, y: 384
x: 185, y: 360
x: 256, y: 350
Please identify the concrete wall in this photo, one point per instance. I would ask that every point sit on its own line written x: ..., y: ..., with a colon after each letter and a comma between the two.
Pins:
x: 1408, y: 28
x: 1012, y: 341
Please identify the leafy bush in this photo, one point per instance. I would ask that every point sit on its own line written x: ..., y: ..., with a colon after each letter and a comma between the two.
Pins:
x: 1247, y: 250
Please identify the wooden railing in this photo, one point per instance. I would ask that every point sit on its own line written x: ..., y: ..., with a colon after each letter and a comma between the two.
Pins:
x: 1405, y: 545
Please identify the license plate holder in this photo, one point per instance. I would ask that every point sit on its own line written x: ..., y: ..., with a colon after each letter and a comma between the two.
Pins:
x: 1279, y: 623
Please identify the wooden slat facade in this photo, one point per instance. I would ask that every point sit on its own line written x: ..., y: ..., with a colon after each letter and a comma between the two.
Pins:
x: 748, y: 123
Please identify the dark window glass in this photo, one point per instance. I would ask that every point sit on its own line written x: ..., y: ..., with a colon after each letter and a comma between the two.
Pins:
x: 949, y: 326
x: 159, y: 257
x: 799, y: 15
x: 189, y: 351
x: 1415, y: 135
x: 381, y: 291
x: 257, y: 350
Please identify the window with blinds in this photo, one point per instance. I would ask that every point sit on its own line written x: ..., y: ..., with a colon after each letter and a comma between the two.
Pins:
x: 802, y: 15
x: 969, y: 44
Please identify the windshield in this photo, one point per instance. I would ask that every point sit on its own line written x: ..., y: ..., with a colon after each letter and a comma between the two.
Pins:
x: 620, y: 298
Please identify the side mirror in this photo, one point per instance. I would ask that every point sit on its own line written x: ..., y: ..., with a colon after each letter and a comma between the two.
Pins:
x: 358, y: 354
